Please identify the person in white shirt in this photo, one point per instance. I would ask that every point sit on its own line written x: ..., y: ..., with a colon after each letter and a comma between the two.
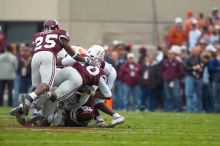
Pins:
x: 8, y: 67
x: 194, y: 34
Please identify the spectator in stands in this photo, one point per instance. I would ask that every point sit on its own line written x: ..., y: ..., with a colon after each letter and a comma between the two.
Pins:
x: 129, y: 74
x: 17, y: 81
x: 24, y: 70
x: 108, y: 57
x: 122, y: 49
x: 3, y: 43
x: 206, y: 83
x: 176, y: 35
x: 214, y: 37
x: 194, y: 34
x: 184, y: 53
x: 201, y: 21
x: 188, y: 23
x: 8, y: 67
x: 117, y: 61
x: 193, y: 83
x: 172, y: 71
x: 177, y: 51
x: 150, y: 82
x: 117, y: 92
x: 202, y: 45
x: 214, y: 68
x: 208, y: 21
x: 215, y: 16
x: 206, y: 33
x: 142, y: 55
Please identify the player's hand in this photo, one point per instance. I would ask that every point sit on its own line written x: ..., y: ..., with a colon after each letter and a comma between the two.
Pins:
x: 53, y: 99
x: 59, y: 61
x: 86, y: 89
x: 90, y: 61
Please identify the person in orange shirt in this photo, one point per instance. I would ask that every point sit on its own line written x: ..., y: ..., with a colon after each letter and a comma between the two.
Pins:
x: 201, y: 21
x: 176, y: 35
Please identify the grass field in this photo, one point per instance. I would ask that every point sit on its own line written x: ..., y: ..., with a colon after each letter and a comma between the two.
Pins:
x: 140, y: 128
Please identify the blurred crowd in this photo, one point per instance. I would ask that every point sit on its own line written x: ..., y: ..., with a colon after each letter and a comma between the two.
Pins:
x: 15, y: 71
x: 182, y: 75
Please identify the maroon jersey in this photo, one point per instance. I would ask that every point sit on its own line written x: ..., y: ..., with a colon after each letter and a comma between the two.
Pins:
x: 49, y: 40
x: 90, y: 74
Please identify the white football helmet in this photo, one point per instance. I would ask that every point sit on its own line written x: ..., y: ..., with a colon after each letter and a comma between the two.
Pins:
x: 97, y: 52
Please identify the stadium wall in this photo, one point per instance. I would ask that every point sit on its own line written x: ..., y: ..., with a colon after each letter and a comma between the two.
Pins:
x: 101, y: 21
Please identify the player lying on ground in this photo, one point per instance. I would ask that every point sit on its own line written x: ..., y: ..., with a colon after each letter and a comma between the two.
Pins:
x: 78, y: 110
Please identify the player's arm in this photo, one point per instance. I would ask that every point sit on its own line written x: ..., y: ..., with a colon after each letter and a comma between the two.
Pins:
x: 75, y: 55
x: 111, y: 74
x: 72, y: 53
x: 105, y: 92
x: 68, y: 61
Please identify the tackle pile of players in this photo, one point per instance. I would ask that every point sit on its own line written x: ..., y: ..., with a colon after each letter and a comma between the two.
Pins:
x: 69, y: 84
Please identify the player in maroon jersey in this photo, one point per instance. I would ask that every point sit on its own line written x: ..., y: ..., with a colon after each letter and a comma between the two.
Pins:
x: 46, y: 45
x: 89, y: 75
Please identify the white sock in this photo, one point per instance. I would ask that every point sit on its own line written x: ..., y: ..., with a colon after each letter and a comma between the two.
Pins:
x: 33, y: 95
x: 99, y: 118
x: 116, y: 115
x: 20, y: 105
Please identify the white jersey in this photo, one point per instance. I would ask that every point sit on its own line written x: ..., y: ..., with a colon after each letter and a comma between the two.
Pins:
x: 111, y: 74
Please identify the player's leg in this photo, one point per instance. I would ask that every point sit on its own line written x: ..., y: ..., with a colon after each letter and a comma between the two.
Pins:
x: 101, y: 105
x: 65, y: 83
x: 36, y: 106
x: 45, y: 63
x: 69, y: 81
x: 39, y: 102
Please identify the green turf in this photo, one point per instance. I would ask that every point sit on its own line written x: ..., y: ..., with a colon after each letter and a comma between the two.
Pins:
x: 140, y: 128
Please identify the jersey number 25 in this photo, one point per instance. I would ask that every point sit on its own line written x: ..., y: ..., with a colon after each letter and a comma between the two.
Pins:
x: 49, y: 41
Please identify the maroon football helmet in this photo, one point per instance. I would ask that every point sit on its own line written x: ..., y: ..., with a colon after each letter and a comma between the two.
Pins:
x: 51, y: 24
x: 82, y: 116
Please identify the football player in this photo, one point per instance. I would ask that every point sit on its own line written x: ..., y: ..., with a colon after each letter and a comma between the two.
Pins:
x: 46, y: 45
x: 71, y: 78
x: 78, y: 110
x: 98, y: 52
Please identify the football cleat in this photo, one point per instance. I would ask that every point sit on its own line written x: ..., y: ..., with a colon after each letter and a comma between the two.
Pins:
x: 16, y: 111
x: 117, y: 121
x: 35, y: 121
x: 21, y: 119
x: 26, y: 101
x: 100, y: 123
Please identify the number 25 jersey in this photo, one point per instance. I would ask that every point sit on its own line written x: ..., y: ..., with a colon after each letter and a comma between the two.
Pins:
x: 49, y: 40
